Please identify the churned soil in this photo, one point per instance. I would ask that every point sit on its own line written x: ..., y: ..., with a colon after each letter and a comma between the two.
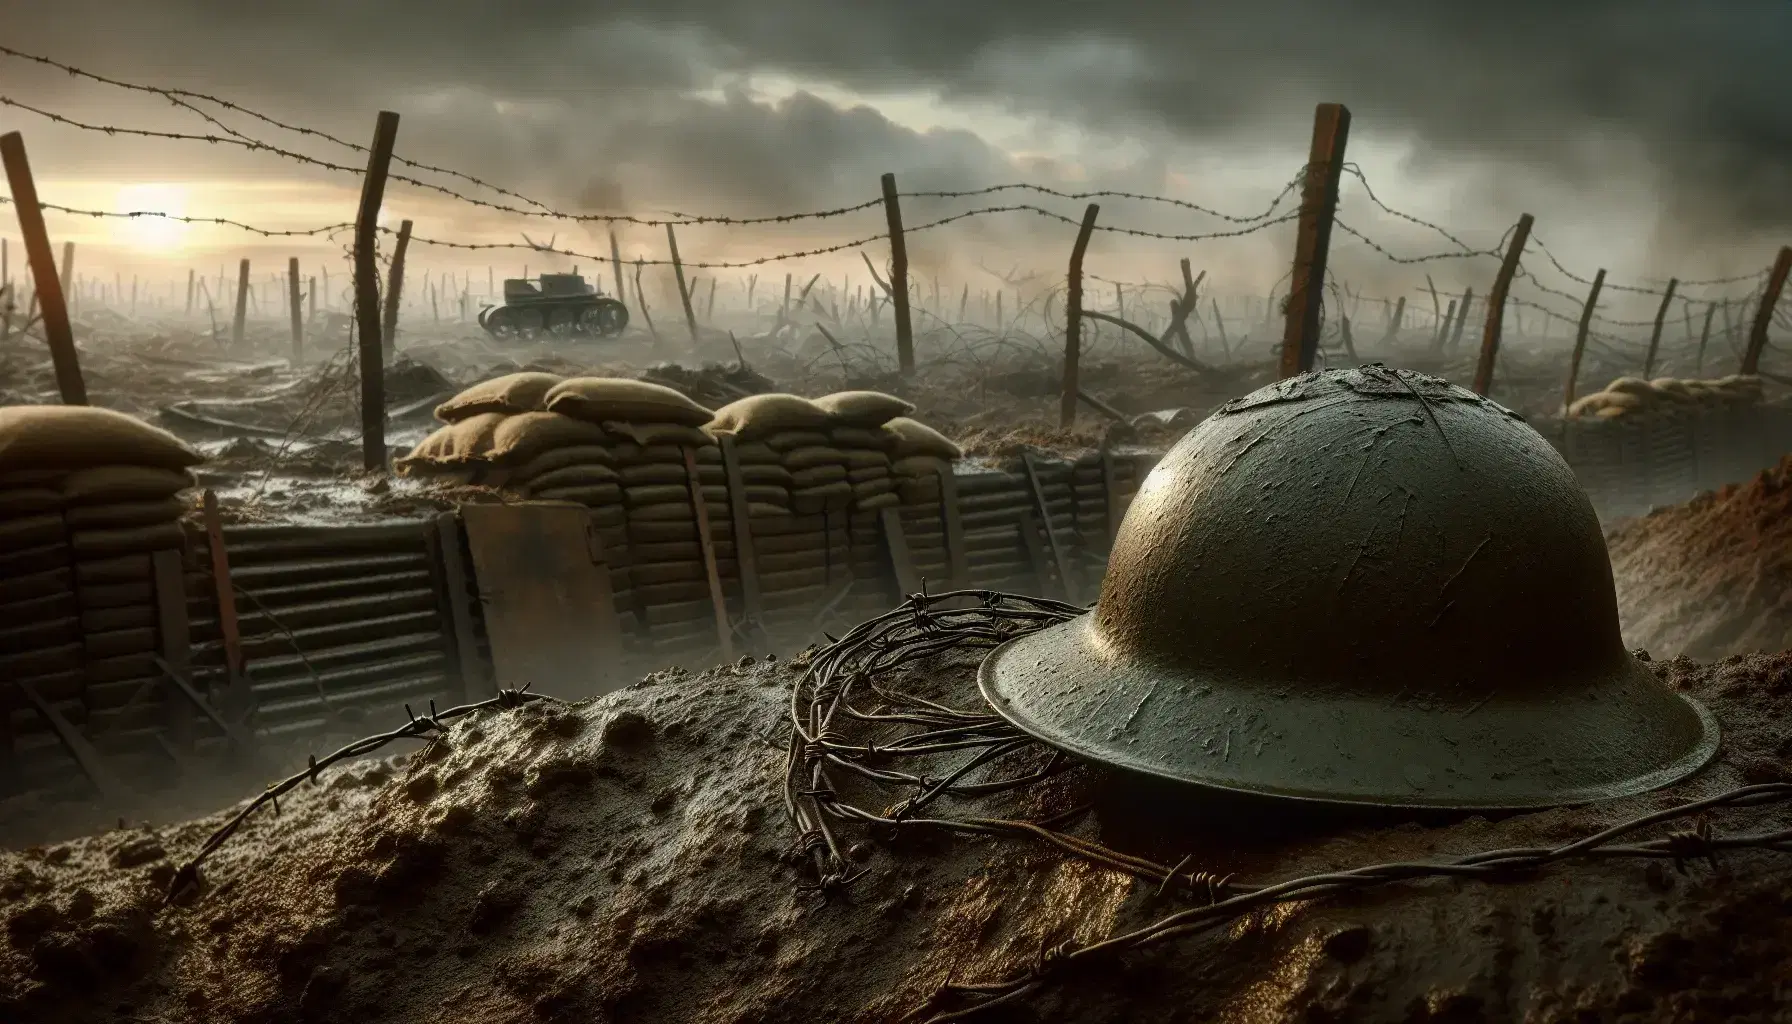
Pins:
x: 1712, y: 576
x: 629, y: 859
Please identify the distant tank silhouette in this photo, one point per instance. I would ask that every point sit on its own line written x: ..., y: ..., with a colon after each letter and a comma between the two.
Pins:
x: 557, y: 305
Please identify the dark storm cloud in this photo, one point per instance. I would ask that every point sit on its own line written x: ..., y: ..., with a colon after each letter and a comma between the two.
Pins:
x: 604, y: 87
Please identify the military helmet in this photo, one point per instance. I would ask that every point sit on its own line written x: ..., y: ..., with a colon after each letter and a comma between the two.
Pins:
x: 1363, y: 587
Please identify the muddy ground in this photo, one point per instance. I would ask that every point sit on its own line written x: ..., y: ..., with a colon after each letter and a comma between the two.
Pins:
x: 629, y: 859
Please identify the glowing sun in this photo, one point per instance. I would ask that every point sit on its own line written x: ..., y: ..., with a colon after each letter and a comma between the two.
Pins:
x: 150, y: 233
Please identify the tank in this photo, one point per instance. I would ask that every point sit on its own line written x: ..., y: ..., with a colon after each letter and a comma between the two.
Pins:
x: 555, y: 305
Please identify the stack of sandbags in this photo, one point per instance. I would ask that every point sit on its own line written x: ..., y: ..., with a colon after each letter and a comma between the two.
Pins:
x: 856, y: 431
x: 87, y: 497
x: 1632, y: 396
x: 460, y: 450
x: 919, y: 456
x: 644, y: 488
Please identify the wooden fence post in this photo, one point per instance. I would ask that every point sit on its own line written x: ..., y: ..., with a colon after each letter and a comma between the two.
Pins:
x: 46, y: 283
x: 905, y: 337
x: 310, y: 299
x: 70, y: 287
x: 1770, y: 297
x: 684, y: 293
x: 367, y: 294
x: 1704, y: 337
x: 1319, y: 202
x: 616, y: 265
x: 1580, y: 338
x: 242, y: 304
x: 1468, y: 299
x: 1073, y: 316
x: 1661, y: 316
x: 1496, y: 304
x: 190, y: 278
x: 394, y: 293
x: 1394, y: 322
x: 298, y: 323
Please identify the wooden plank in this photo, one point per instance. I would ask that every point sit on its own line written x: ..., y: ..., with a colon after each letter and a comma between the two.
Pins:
x: 1028, y: 525
x: 238, y: 697
x: 176, y: 641
x: 896, y: 545
x: 93, y: 765
x: 241, y: 740
x: 1051, y: 534
x: 694, y: 482
x: 462, y: 635
x: 545, y: 593
x: 47, y: 292
x: 744, y: 554
x: 954, y: 526
x: 1319, y: 203
x: 1496, y: 306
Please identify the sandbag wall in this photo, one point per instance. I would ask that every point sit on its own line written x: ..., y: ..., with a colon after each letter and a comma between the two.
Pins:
x: 1632, y: 463
x: 335, y: 624
x: 95, y: 559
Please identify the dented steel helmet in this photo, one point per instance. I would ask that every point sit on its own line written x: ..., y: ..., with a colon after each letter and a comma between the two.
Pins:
x: 1365, y: 587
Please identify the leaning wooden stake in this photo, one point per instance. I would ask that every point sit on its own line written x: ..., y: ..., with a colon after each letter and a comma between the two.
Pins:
x: 1770, y: 297
x: 394, y: 292
x: 367, y: 294
x: 240, y: 316
x: 684, y: 293
x: 1661, y: 315
x: 1496, y: 304
x: 1319, y: 202
x: 1394, y: 322
x: 905, y: 337
x: 1073, y: 319
x: 1580, y: 338
x: 293, y: 297
x: 1468, y: 299
x: 616, y: 265
x: 1704, y: 337
x: 717, y: 601
x: 47, y: 284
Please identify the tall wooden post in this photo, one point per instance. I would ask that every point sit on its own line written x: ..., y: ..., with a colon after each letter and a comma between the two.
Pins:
x: 1319, y: 202
x: 1073, y: 317
x: 310, y: 299
x: 394, y: 292
x: 242, y: 304
x: 72, y: 298
x: 1704, y: 338
x: 298, y: 323
x: 1661, y: 315
x: 1394, y: 322
x: 1468, y: 299
x: 616, y: 265
x: 190, y: 279
x: 905, y: 336
x: 1580, y: 337
x: 684, y: 293
x: 367, y: 294
x: 784, y: 311
x: 1770, y: 297
x: 1496, y: 304
x: 46, y: 283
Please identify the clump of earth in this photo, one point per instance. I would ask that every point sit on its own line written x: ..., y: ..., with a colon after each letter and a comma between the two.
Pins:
x: 629, y: 859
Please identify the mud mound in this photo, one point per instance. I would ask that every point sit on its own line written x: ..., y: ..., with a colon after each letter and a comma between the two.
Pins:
x: 1711, y: 577
x: 629, y: 859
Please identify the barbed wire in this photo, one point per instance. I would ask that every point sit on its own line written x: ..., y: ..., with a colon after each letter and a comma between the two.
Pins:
x: 1378, y: 247
x: 217, y: 221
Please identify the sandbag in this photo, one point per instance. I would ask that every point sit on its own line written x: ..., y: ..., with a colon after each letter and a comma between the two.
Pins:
x: 454, y: 445
x: 18, y: 502
x: 758, y: 416
x: 657, y: 494
x: 668, y: 473
x: 920, y: 466
x: 766, y: 495
x: 519, y: 439
x: 510, y: 394
x: 676, y: 512
x: 32, y: 477
x: 1671, y: 389
x: 864, y: 458
x: 32, y: 586
x: 862, y: 437
x: 873, y: 488
x: 636, y: 455
x: 859, y: 476
x: 919, y: 490
x: 915, y: 438
x: 819, y: 499
x: 69, y: 437
x: 617, y: 399
x: 32, y: 531
x: 770, y: 475
x: 755, y: 453
x: 124, y: 513
x: 38, y: 559
x: 1631, y: 386
x: 649, y: 435
x: 104, y: 485
x: 560, y: 458
x: 766, y: 510
x: 785, y: 440
x: 817, y: 476
x: 863, y: 408
x: 589, y: 494
x: 814, y: 455
x: 572, y: 476
x: 876, y: 502
x: 127, y: 568
x: 129, y: 540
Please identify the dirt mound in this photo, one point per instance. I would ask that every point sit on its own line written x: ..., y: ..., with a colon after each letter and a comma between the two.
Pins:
x: 1711, y: 577
x: 629, y: 859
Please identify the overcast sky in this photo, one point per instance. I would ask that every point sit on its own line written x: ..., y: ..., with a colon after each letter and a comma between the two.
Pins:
x: 1648, y: 136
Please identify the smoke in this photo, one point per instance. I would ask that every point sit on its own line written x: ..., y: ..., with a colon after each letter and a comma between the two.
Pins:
x: 1669, y: 115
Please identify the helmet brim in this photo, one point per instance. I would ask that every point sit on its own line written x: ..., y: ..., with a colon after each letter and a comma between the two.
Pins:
x: 1615, y: 736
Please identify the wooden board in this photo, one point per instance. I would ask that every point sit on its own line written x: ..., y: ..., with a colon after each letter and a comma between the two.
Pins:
x: 1034, y: 545
x: 544, y: 587
x: 954, y: 527
x: 896, y: 546
x: 176, y: 645
x: 1065, y: 578
x: 718, y: 602
x: 744, y: 554
x: 448, y: 551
